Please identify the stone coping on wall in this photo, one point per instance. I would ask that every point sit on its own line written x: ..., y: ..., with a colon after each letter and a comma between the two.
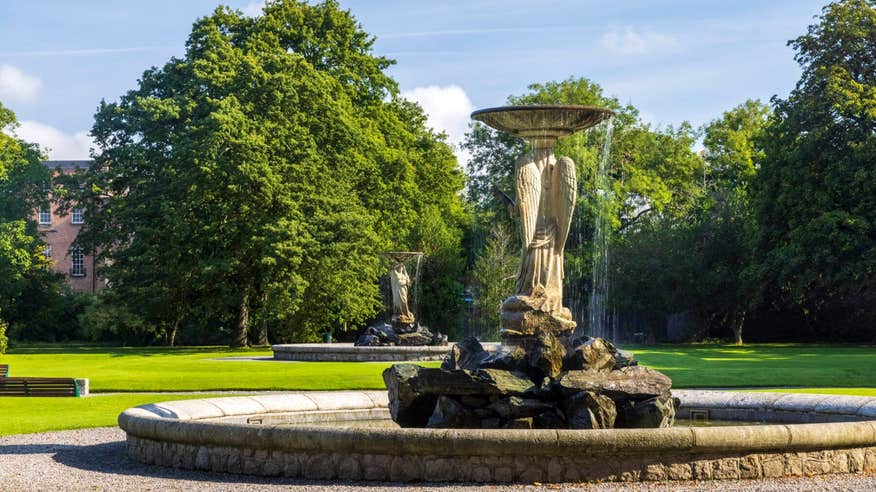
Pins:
x: 347, y: 352
x: 194, y: 422
x: 777, y: 407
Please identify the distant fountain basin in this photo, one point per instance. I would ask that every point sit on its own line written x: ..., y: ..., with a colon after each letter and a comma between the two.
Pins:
x: 253, y: 435
x: 348, y: 352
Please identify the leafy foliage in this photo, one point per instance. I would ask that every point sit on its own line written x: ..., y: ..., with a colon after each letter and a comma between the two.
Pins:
x: 32, y: 297
x: 696, y: 263
x: 493, y: 276
x: 253, y: 181
x: 815, y: 194
x: 4, y: 340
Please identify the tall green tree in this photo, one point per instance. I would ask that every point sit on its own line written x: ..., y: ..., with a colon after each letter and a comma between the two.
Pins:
x: 697, y: 262
x: 27, y: 284
x: 493, y: 275
x: 733, y: 154
x: 815, y: 195
x: 251, y: 182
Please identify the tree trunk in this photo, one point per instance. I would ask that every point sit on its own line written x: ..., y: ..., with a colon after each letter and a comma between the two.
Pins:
x: 262, y: 334
x: 737, y: 327
x: 242, y: 331
x: 170, y: 336
x: 259, y: 334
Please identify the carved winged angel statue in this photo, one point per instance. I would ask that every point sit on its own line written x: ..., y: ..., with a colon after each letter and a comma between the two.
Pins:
x: 546, y: 191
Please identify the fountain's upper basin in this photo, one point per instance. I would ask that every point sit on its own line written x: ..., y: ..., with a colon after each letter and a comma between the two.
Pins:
x: 542, y: 121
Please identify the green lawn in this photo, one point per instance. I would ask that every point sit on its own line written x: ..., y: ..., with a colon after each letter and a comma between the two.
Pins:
x: 702, y: 366
x: 112, y: 369
x: 809, y: 368
x: 28, y: 415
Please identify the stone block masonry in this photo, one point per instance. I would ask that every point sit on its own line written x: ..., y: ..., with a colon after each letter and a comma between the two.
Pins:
x: 252, y: 435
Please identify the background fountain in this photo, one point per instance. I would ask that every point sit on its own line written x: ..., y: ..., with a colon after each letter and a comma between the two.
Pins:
x: 401, y: 326
x: 545, y: 376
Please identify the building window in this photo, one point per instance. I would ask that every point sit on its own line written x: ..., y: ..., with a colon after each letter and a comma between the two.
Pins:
x: 78, y: 216
x: 77, y: 268
x: 45, y: 216
x: 47, y: 251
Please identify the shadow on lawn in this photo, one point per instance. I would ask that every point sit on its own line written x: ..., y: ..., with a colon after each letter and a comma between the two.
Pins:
x: 116, y: 351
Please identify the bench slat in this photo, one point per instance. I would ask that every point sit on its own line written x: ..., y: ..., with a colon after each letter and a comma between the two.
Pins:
x: 23, y: 386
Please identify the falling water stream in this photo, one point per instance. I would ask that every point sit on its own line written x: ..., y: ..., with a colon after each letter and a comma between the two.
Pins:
x: 597, y: 320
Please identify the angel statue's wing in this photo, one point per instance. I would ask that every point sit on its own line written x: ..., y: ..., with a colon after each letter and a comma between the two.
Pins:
x: 528, y: 197
x: 568, y: 191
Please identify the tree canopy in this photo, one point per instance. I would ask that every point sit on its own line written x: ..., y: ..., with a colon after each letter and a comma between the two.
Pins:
x: 27, y: 285
x: 251, y: 182
x: 815, y: 194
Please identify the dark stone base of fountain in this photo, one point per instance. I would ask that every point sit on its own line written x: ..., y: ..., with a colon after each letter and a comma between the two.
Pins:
x: 591, y: 385
x: 399, y: 334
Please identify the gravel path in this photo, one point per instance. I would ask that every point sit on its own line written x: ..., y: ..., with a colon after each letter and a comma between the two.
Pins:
x: 95, y: 460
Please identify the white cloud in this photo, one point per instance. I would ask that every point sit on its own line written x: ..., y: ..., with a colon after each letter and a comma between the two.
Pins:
x: 629, y: 41
x: 17, y: 86
x: 253, y: 9
x: 60, y: 145
x: 447, y: 110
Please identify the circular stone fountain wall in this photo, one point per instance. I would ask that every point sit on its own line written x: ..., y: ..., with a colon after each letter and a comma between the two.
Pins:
x: 347, y: 352
x: 269, y: 435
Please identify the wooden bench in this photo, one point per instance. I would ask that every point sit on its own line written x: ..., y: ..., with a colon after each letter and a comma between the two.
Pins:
x: 38, y: 387
x: 4, y: 370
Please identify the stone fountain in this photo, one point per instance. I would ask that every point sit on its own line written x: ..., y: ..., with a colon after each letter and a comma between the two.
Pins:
x: 544, y: 376
x: 403, y: 328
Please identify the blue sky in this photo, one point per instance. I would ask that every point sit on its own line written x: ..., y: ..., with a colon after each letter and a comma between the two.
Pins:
x: 675, y: 60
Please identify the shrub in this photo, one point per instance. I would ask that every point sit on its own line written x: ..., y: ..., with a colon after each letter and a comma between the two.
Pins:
x: 106, y: 321
x: 3, y: 340
x: 49, y: 316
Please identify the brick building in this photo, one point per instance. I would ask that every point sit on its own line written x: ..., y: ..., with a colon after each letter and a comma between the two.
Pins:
x: 59, y: 232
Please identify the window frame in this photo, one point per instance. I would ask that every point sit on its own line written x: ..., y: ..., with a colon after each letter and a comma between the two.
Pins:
x: 77, y: 256
x: 80, y: 213
x: 47, y: 213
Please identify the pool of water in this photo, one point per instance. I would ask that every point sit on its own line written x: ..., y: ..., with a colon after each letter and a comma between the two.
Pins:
x: 389, y: 424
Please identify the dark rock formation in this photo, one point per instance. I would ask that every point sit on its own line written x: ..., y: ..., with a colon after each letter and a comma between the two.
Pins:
x: 514, y: 407
x: 407, y: 406
x: 481, y: 382
x: 450, y: 414
x: 589, y: 410
x: 592, y: 353
x: 381, y: 334
x: 653, y: 412
x: 544, y: 383
x: 405, y: 334
x: 546, y: 355
x: 468, y: 354
x: 635, y: 382
x: 508, y: 359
